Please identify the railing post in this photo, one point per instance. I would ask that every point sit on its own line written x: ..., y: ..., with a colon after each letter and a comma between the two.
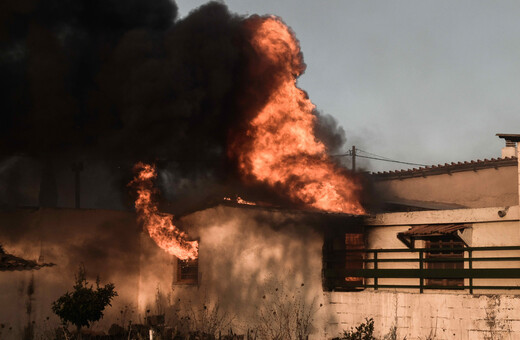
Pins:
x: 421, y: 267
x: 366, y: 259
x: 375, y: 267
x: 470, y: 265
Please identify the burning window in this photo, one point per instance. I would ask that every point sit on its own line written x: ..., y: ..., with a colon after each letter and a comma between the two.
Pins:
x: 354, y: 245
x: 445, y: 245
x: 187, y: 271
x: 343, y: 253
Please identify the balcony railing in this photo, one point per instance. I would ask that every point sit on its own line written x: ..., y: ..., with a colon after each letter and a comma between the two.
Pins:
x: 474, y: 268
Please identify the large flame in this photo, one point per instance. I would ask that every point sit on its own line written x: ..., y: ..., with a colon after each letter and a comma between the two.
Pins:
x: 283, y: 150
x: 159, y: 225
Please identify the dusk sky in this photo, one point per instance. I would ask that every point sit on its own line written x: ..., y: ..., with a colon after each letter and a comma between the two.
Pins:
x: 418, y: 81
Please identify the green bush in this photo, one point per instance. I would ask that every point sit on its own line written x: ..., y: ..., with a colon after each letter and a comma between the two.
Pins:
x: 85, y: 304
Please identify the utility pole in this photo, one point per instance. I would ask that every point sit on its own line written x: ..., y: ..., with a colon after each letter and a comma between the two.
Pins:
x: 353, y: 158
x: 77, y: 167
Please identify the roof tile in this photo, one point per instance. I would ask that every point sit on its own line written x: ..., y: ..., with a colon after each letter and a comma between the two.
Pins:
x: 447, y: 168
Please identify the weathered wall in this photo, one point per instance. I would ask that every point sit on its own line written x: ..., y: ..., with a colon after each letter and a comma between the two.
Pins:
x: 488, y: 229
x: 250, y: 261
x: 245, y: 254
x: 427, y: 316
x: 106, y: 242
x: 473, y: 189
x: 437, y: 314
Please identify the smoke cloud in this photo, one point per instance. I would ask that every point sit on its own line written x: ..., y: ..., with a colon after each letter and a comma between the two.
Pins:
x: 129, y: 81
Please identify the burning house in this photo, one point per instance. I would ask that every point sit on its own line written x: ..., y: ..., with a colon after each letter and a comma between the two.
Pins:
x: 210, y: 104
x: 202, y: 187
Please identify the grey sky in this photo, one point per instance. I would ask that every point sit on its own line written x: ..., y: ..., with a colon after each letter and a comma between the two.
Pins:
x: 419, y: 81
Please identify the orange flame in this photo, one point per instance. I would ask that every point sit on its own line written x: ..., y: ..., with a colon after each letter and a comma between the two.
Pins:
x: 159, y: 225
x: 239, y: 200
x: 283, y: 150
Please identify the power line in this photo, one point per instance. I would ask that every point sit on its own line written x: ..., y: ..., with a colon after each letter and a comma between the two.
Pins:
x: 373, y: 154
x: 391, y: 160
x: 378, y: 158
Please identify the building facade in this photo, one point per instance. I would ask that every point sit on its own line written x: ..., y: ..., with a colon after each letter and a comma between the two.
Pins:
x: 444, y: 262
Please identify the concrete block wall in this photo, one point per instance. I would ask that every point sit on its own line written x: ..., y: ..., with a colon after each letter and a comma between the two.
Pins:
x: 426, y: 316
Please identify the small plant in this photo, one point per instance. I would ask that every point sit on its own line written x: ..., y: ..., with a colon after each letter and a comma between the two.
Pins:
x: 365, y: 331
x: 392, y: 334
x: 285, y: 314
x: 85, y: 304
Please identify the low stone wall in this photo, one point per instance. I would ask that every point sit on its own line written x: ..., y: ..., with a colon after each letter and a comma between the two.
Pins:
x: 426, y: 316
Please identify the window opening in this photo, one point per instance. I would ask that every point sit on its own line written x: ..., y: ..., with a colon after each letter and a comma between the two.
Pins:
x: 445, y: 244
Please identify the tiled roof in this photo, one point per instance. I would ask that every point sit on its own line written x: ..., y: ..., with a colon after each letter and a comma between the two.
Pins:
x: 10, y: 262
x: 434, y: 229
x: 445, y: 168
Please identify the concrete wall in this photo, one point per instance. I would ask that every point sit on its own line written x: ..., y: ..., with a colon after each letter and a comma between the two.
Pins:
x: 437, y: 314
x: 473, y: 189
x: 106, y: 242
x: 427, y: 316
x: 252, y: 262
x: 244, y: 259
x: 488, y: 229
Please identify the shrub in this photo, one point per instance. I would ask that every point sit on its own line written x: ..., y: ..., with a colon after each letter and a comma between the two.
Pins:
x: 365, y: 331
x: 85, y: 304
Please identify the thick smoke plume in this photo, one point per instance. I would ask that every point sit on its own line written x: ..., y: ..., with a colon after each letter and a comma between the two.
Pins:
x: 129, y: 81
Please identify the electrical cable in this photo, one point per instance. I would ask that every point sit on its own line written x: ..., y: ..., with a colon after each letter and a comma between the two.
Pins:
x: 378, y: 158
x: 373, y: 154
x: 391, y: 160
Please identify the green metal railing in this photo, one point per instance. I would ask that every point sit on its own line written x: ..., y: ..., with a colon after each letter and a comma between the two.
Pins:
x: 373, y: 259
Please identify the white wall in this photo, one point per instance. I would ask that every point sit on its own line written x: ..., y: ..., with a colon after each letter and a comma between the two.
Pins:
x: 485, y: 314
x: 427, y: 316
x: 251, y: 261
x: 245, y: 256
x: 474, y: 189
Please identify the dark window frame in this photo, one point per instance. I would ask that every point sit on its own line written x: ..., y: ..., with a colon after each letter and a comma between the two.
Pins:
x: 449, y: 242
x: 354, y: 259
x: 187, y: 272
x: 338, y: 257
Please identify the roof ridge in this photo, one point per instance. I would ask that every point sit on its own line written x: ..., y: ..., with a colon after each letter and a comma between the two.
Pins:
x: 483, y: 163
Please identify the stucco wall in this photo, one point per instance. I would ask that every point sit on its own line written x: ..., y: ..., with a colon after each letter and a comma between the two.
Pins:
x: 106, y: 242
x: 251, y: 263
x: 251, y: 260
x: 437, y: 314
x: 473, y: 189
x: 488, y: 229
x: 427, y: 316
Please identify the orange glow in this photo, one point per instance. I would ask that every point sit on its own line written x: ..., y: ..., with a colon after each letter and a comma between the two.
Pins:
x: 283, y: 150
x: 239, y: 200
x: 159, y: 225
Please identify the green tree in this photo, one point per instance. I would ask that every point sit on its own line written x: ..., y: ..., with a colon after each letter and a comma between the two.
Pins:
x: 85, y: 304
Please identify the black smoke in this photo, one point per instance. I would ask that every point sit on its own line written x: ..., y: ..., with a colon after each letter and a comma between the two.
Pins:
x: 127, y: 80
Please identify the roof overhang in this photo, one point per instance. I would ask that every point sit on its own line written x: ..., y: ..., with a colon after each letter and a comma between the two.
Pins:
x: 10, y: 262
x: 509, y: 136
x: 463, y: 231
